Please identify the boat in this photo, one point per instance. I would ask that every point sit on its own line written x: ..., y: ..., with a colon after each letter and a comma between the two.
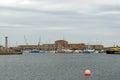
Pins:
x: 67, y: 51
x: 25, y: 51
x: 113, y: 50
x: 35, y: 51
x: 88, y: 49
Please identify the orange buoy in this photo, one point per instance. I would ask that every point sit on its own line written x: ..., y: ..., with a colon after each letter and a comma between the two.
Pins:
x: 87, y: 72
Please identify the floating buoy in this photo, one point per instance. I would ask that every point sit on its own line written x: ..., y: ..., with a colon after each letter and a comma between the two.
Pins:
x: 87, y: 73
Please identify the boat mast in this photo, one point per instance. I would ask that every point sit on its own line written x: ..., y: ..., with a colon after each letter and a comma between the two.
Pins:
x: 39, y: 43
x: 25, y: 40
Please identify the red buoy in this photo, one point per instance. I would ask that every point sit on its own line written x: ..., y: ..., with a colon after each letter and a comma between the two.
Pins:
x: 87, y: 72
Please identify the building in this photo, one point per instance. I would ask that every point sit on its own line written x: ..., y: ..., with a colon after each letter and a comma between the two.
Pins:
x: 79, y: 46
x: 28, y: 47
x: 59, y: 45
x: 96, y: 47
x: 47, y: 47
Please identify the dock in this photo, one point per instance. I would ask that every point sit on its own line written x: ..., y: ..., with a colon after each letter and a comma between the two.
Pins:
x: 10, y: 53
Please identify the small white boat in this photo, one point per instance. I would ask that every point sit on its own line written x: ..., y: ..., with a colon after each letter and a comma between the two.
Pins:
x: 25, y: 51
x: 88, y: 50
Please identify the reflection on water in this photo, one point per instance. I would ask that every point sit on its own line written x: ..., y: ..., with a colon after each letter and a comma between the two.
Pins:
x: 87, y: 78
x: 59, y: 67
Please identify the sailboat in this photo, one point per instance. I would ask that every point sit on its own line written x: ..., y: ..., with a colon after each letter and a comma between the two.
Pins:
x: 37, y: 50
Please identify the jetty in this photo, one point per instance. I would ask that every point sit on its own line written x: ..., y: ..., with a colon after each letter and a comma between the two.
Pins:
x: 6, y: 50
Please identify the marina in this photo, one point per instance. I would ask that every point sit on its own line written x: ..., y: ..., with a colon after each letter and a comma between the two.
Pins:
x: 59, y: 40
x: 59, y: 46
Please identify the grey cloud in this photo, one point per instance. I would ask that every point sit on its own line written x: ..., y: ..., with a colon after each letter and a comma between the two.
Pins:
x: 109, y: 8
x: 74, y: 19
x: 23, y: 16
x: 55, y: 12
x: 55, y: 1
x: 3, y: 8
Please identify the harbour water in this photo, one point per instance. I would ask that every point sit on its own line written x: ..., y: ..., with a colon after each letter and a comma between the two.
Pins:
x: 59, y: 66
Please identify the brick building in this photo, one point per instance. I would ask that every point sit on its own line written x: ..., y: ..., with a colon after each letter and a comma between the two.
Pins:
x: 29, y: 47
x: 60, y: 44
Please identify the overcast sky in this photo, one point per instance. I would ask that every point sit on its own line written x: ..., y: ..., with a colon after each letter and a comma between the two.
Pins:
x: 77, y: 21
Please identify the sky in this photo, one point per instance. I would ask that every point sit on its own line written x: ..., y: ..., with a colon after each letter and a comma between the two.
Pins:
x: 77, y: 21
